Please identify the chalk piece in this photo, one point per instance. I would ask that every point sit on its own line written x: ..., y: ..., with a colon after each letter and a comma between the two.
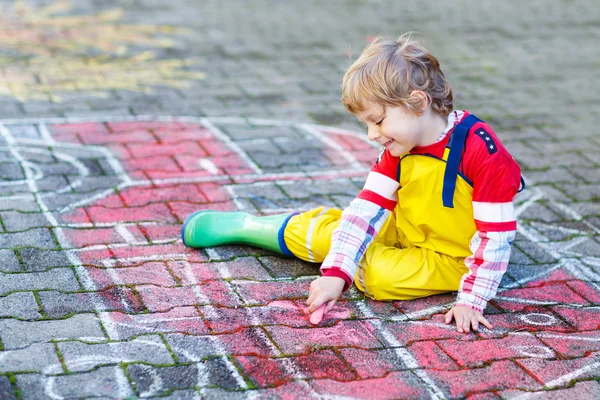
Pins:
x: 317, y: 315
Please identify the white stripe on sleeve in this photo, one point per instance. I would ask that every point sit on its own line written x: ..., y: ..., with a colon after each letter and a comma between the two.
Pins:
x: 494, y: 212
x: 382, y: 185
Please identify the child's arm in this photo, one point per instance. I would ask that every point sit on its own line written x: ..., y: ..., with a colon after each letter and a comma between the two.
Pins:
x: 360, y: 224
x: 496, y: 179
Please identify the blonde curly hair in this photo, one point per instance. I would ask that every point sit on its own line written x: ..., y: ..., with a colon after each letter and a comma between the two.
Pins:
x: 388, y: 71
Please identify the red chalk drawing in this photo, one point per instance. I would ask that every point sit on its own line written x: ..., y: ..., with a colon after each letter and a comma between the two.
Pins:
x: 119, y: 215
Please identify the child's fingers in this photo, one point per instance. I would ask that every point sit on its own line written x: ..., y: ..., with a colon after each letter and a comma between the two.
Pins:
x: 315, y: 304
x: 330, y: 305
x: 485, y: 322
x: 448, y: 317
x: 475, y: 322
x: 466, y: 324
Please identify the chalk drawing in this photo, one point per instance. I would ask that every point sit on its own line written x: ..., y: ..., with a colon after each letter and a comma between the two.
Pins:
x: 61, y: 53
x: 253, y: 177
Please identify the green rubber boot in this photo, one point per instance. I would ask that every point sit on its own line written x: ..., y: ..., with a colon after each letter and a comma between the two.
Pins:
x: 216, y: 228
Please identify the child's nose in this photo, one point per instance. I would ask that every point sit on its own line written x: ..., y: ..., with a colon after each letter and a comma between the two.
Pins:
x: 373, y: 134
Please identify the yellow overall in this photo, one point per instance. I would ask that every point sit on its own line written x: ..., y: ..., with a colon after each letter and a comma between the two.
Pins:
x: 421, y: 248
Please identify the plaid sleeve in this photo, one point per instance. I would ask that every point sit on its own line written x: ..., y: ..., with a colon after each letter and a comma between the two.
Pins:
x: 487, y: 265
x: 360, y: 223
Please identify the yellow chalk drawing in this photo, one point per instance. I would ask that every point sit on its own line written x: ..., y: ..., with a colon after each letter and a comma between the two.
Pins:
x: 56, y: 53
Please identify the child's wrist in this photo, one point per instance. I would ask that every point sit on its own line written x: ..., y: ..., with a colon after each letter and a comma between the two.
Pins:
x: 337, y: 273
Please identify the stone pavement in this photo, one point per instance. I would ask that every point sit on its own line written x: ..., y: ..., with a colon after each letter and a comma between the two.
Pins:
x: 120, y: 118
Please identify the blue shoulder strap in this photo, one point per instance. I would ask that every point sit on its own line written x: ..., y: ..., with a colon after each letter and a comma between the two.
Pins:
x: 456, y: 144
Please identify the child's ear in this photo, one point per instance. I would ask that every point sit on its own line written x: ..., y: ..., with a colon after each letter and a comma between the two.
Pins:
x: 421, y: 100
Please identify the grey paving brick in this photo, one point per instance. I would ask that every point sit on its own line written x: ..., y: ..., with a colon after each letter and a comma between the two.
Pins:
x: 17, y: 334
x: 17, y: 221
x: 525, y: 273
x: 19, y: 305
x: 105, y: 382
x: 589, y: 247
x: 27, y: 131
x: 23, y: 202
x: 302, y: 190
x: 213, y: 372
x: 238, y: 132
x: 57, y: 278
x: 36, y: 237
x: 39, y: 357
x: 9, y: 261
x: 288, y: 268
x: 180, y: 395
x: 6, y: 390
x: 196, y: 348
x: 11, y: 171
x: 57, y: 304
x: 535, y: 252
x: 518, y: 257
x: 552, y: 175
x: 84, y: 357
x: 583, y: 192
x: 36, y: 260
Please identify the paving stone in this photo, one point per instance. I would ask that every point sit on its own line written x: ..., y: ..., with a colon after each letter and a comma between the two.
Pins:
x: 534, y: 251
x: 581, y: 390
x: 36, y: 260
x: 6, y: 390
x: 552, y: 293
x: 11, y: 172
x: 251, y: 341
x: 286, y: 268
x: 408, y: 332
x: 255, y: 293
x: 538, y: 321
x: 499, y: 375
x: 548, y: 371
x: 105, y: 382
x: 18, y: 334
x: 479, y: 352
x: 17, y: 221
x: 84, y: 357
x: 36, y: 357
x: 19, y: 305
x: 239, y: 268
x: 184, y: 395
x: 37, y: 237
x: 57, y: 278
x: 58, y: 305
x: 295, y: 390
x: 343, y: 334
x: 587, y: 290
x: 211, y: 292
x: 122, y: 326
x: 395, y: 385
x: 572, y: 344
x: 374, y: 363
x: 9, y: 261
x: 266, y: 372
x: 213, y: 372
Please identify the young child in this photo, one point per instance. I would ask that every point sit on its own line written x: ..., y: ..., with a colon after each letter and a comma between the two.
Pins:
x: 435, y: 215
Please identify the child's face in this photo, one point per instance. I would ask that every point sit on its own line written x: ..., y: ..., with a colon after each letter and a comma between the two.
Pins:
x: 392, y: 127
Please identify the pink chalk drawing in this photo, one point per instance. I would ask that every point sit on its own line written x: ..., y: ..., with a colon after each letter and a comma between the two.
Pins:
x: 130, y: 182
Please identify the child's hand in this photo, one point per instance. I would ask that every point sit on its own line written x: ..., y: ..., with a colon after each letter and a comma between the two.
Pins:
x: 465, y: 318
x: 326, y: 289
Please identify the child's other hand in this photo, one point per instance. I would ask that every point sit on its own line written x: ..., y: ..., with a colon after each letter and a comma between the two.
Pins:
x: 466, y: 317
x: 326, y: 289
